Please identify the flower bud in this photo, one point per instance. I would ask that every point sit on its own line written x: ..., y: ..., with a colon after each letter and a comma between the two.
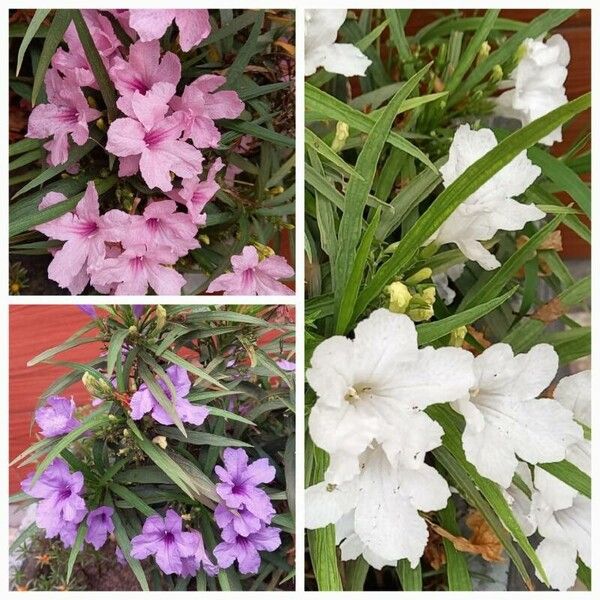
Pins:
x: 420, y: 275
x: 399, y: 297
x: 263, y: 251
x: 497, y: 74
x: 428, y: 294
x: 161, y: 317
x: 101, y: 124
x: 457, y: 337
x: 160, y: 440
x: 484, y: 52
x: 97, y: 387
x: 342, y: 131
x: 204, y: 239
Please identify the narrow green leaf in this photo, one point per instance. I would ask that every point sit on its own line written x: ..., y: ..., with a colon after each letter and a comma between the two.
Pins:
x: 410, y: 579
x: 324, y: 150
x: 35, y: 23
x: 571, y: 475
x: 26, y: 534
x: 132, y: 498
x: 76, y: 548
x: 457, y: 569
x: 176, y: 359
x: 54, y: 37
x: 62, y: 348
x: 115, y: 348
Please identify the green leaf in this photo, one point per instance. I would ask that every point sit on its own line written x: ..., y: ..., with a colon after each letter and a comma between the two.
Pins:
x: 456, y: 193
x: 584, y: 574
x: 571, y: 475
x: 75, y: 549
x: 457, y: 569
x: 54, y: 37
x: 358, y: 189
x: 188, y: 366
x: 46, y: 354
x: 200, y: 438
x: 107, y: 87
x: 326, y: 152
x: 411, y: 579
x: 114, y: 350
x: 429, y: 332
x: 331, y: 108
x: 35, y: 23
x: 132, y: 498
x: 262, y: 133
x: 23, y: 536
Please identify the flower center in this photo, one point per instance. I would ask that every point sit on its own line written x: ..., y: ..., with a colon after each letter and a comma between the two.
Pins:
x: 168, y: 537
x: 68, y: 115
x: 356, y: 393
x: 237, y: 489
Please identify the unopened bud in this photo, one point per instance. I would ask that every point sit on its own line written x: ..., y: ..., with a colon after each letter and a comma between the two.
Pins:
x: 160, y: 440
x: 101, y: 124
x: 161, y: 317
x: 497, y: 74
x: 399, y: 297
x: 204, y: 239
x: 420, y: 309
x: 420, y: 275
x: 484, y: 52
x: 457, y: 337
x: 186, y: 517
x: 126, y: 433
x: 428, y: 294
x: 342, y: 131
x: 263, y: 251
x: 98, y: 388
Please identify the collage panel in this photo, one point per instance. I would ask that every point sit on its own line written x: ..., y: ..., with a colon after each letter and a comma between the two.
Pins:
x: 448, y: 312
x: 151, y: 151
x: 152, y: 448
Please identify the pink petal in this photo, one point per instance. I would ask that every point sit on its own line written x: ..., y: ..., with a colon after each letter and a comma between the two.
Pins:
x: 150, y: 108
x: 88, y: 208
x: 165, y: 281
x: 268, y: 286
x: 67, y: 263
x: 248, y: 259
x: 129, y: 165
x: 125, y: 137
x: 276, y: 267
x: 194, y: 26
x: 150, y: 24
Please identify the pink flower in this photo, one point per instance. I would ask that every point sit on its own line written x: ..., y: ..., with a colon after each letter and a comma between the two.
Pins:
x: 196, y: 194
x: 202, y: 104
x: 194, y: 25
x: 161, y: 225
x: 139, y: 267
x: 254, y: 277
x: 84, y: 232
x: 67, y: 112
x: 74, y: 64
x: 151, y: 141
x: 142, y: 72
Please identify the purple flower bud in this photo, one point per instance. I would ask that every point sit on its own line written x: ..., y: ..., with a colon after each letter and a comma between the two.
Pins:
x: 100, y: 525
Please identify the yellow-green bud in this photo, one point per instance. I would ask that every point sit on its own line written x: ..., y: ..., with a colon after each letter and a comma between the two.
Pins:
x: 421, y: 307
x: 428, y: 294
x: 204, y: 239
x: 484, y: 52
x: 399, y: 297
x: 263, y: 251
x: 420, y: 314
x: 97, y: 387
x: 457, y: 337
x: 497, y: 74
x: 342, y: 131
x: 420, y: 275
x: 161, y: 317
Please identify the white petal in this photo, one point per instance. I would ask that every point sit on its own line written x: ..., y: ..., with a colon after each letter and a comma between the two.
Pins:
x: 560, y: 563
x: 575, y: 393
x: 426, y: 489
x: 326, y: 504
x: 576, y: 523
x: 556, y: 494
x: 345, y: 59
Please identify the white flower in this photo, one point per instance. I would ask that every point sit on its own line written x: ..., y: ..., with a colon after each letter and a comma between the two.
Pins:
x: 564, y: 519
x: 320, y: 49
x: 374, y: 389
x: 376, y: 514
x: 505, y: 418
x: 442, y: 282
x: 520, y: 502
x: 492, y: 207
x: 538, y: 82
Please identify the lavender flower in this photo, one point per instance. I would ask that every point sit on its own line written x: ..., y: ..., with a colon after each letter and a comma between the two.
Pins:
x: 56, y: 418
x: 100, y: 525
x: 120, y: 557
x: 242, y: 520
x: 175, y: 551
x: 89, y: 310
x: 245, y: 549
x: 61, y: 508
x: 239, y: 480
x: 143, y: 401
x: 286, y: 365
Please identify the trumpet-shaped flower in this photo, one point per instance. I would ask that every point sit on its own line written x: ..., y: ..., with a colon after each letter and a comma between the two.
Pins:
x: 169, y: 544
x: 66, y: 113
x: 152, y: 140
x: 254, y: 277
x: 442, y: 282
x: 100, y: 526
x: 142, y: 71
x: 194, y: 25
x: 538, y: 83
x: 239, y: 489
x: 563, y: 518
x: 144, y: 401
x: 202, y: 104
x: 245, y: 549
x: 321, y: 30
x: 377, y: 511
x: 161, y: 225
x: 138, y: 267
x: 504, y: 417
x: 492, y: 207
x: 84, y: 232
x: 56, y: 416
x: 196, y: 194
x: 375, y: 388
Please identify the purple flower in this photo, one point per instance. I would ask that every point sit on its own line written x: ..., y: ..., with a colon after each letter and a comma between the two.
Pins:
x: 243, y: 521
x: 100, y: 525
x: 89, y: 310
x: 138, y: 310
x: 192, y: 564
x: 175, y: 551
x: 254, y: 277
x: 61, y: 508
x: 239, y: 480
x: 286, y: 365
x: 245, y: 549
x: 56, y: 417
x: 120, y: 556
x: 143, y: 401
